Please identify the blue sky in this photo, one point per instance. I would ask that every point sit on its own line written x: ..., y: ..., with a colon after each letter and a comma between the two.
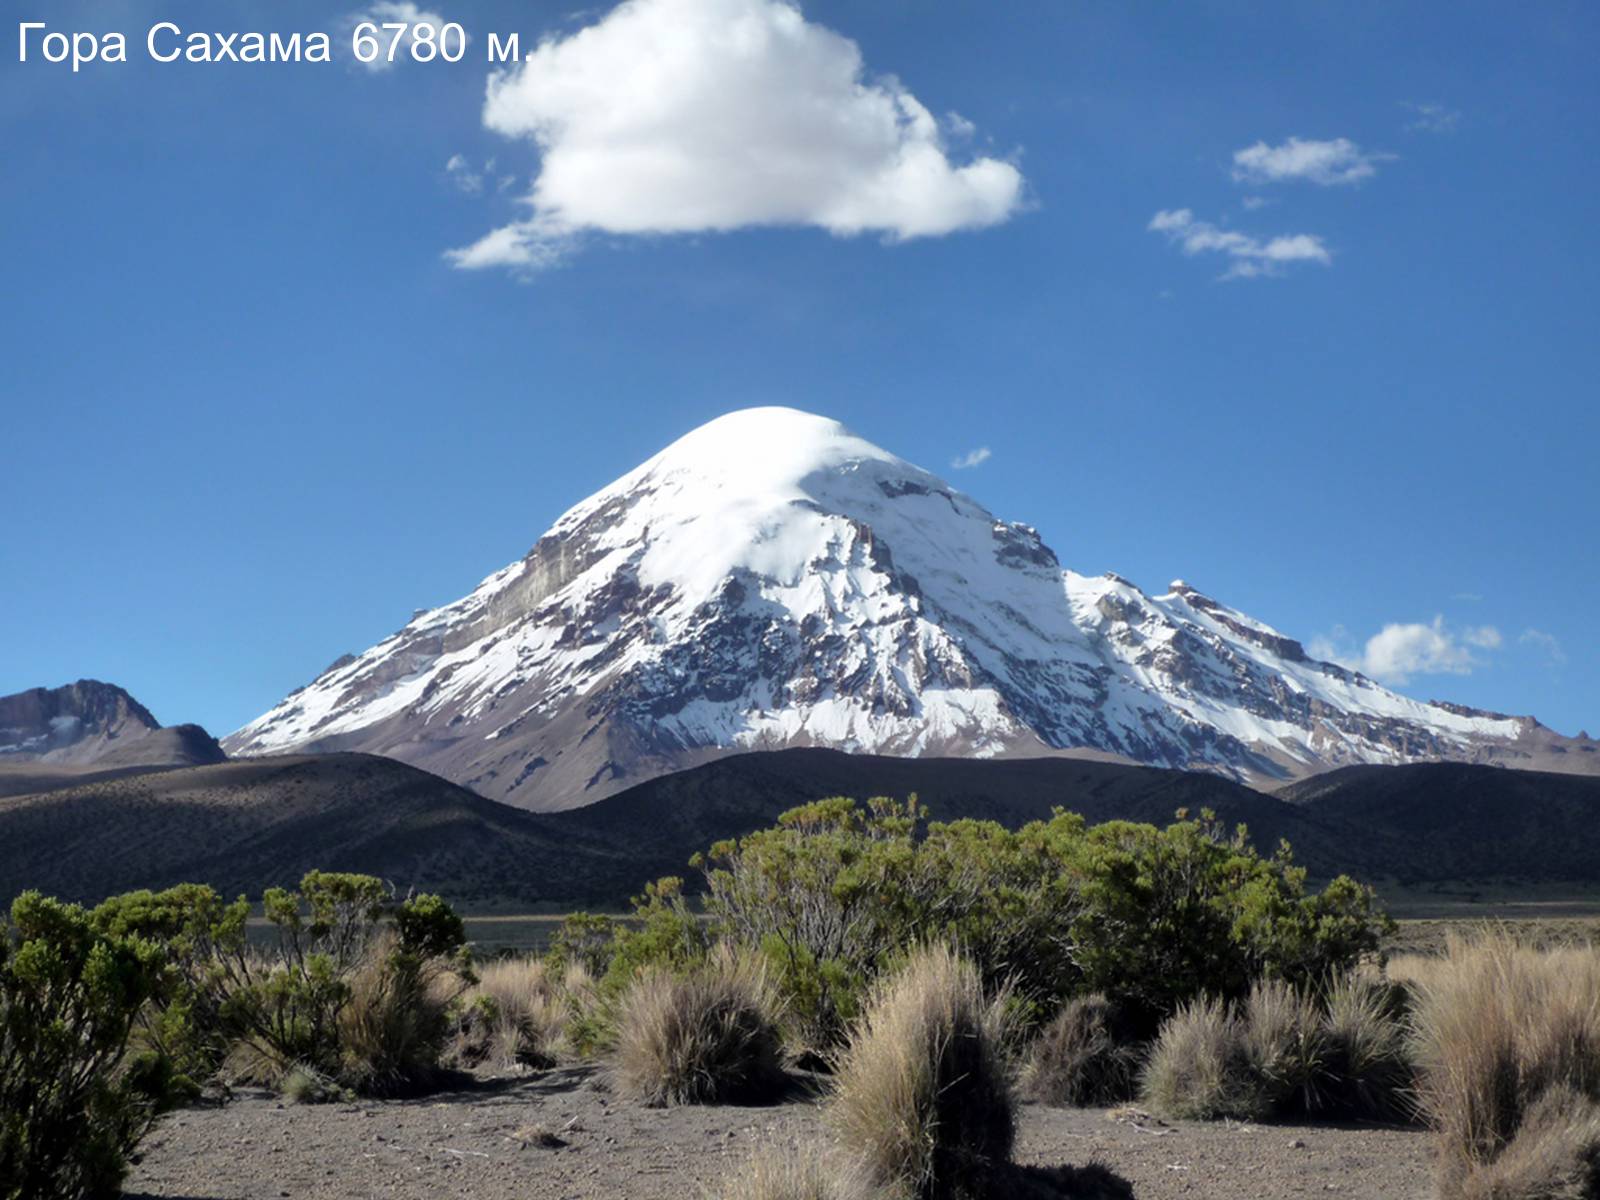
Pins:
x: 254, y: 415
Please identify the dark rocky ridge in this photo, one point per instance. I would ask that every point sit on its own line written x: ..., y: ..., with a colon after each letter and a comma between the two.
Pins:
x: 94, y: 723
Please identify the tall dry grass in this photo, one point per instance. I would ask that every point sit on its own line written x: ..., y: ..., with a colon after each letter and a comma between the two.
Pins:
x: 514, y: 1015
x: 393, y: 1028
x: 711, y: 1035
x: 1286, y: 1042
x: 1368, y: 1064
x: 922, y: 1092
x: 1507, y: 1044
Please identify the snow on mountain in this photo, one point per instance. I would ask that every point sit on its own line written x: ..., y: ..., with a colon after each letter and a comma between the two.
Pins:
x: 771, y: 579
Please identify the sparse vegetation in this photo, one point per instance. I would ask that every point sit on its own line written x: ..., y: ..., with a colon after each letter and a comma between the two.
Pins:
x: 923, y: 1094
x: 707, y: 1035
x: 792, y: 1172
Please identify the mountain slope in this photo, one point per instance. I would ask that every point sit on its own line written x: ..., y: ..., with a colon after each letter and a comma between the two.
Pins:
x: 249, y: 824
x: 93, y: 723
x: 772, y: 580
x: 661, y: 822
x: 244, y: 826
x: 1464, y: 821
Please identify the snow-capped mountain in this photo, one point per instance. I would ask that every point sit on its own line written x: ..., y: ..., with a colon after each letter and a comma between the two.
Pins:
x: 770, y: 579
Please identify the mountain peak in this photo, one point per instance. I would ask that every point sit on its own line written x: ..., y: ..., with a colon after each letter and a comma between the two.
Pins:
x: 771, y: 579
x: 94, y: 722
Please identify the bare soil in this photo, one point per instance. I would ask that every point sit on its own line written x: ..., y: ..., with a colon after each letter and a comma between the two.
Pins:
x: 563, y: 1135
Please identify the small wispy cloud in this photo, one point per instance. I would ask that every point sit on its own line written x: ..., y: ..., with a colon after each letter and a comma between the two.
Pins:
x: 403, y: 12
x: 972, y: 458
x: 1327, y: 164
x: 1431, y: 118
x: 463, y: 176
x: 1400, y: 651
x: 1547, y: 644
x: 1251, y: 257
x: 1251, y: 203
x: 1468, y: 597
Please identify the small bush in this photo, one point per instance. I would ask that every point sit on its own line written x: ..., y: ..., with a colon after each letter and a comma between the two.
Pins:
x: 304, y: 1084
x: 1555, y: 1155
x: 1200, y: 1067
x: 514, y: 1015
x: 1367, y: 1067
x: 357, y: 988
x: 707, y: 1036
x: 1079, y: 1059
x: 1498, y: 1026
x: 69, y: 996
x: 1287, y: 1045
x: 923, y: 1093
x: 396, y: 1018
x: 792, y: 1173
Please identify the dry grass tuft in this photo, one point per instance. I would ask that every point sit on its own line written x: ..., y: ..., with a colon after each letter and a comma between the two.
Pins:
x: 792, y: 1173
x: 706, y: 1037
x: 1555, y: 1155
x: 514, y: 1016
x: 923, y: 1093
x: 1287, y: 1045
x: 1200, y: 1067
x: 1508, y: 1048
x: 1368, y: 1068
x: 1079, y: 1060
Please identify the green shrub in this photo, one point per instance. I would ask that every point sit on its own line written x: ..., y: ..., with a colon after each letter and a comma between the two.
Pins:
x: 922, y: 1092
x: 179, y: 1038
x: 1200, y: 1067
x: 1082, y: 1057
x: 357, y: 988
x: 1172, y: 914
x: 1148, y: 917
x: 583, y: 939
x: 69, y: 998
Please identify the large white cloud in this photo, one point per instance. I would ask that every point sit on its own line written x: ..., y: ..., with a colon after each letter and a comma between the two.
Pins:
x: 1398, y: 651
x: 683, y: 116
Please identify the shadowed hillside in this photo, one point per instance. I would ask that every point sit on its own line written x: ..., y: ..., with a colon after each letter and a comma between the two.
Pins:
x: 248, y: 824
x: 1448, y: 821
x: 243, y: 826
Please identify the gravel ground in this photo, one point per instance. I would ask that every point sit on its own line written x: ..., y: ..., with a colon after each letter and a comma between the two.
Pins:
x: 562, y: 1135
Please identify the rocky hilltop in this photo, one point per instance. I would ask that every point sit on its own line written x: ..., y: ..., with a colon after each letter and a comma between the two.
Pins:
x: 90, y: 723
